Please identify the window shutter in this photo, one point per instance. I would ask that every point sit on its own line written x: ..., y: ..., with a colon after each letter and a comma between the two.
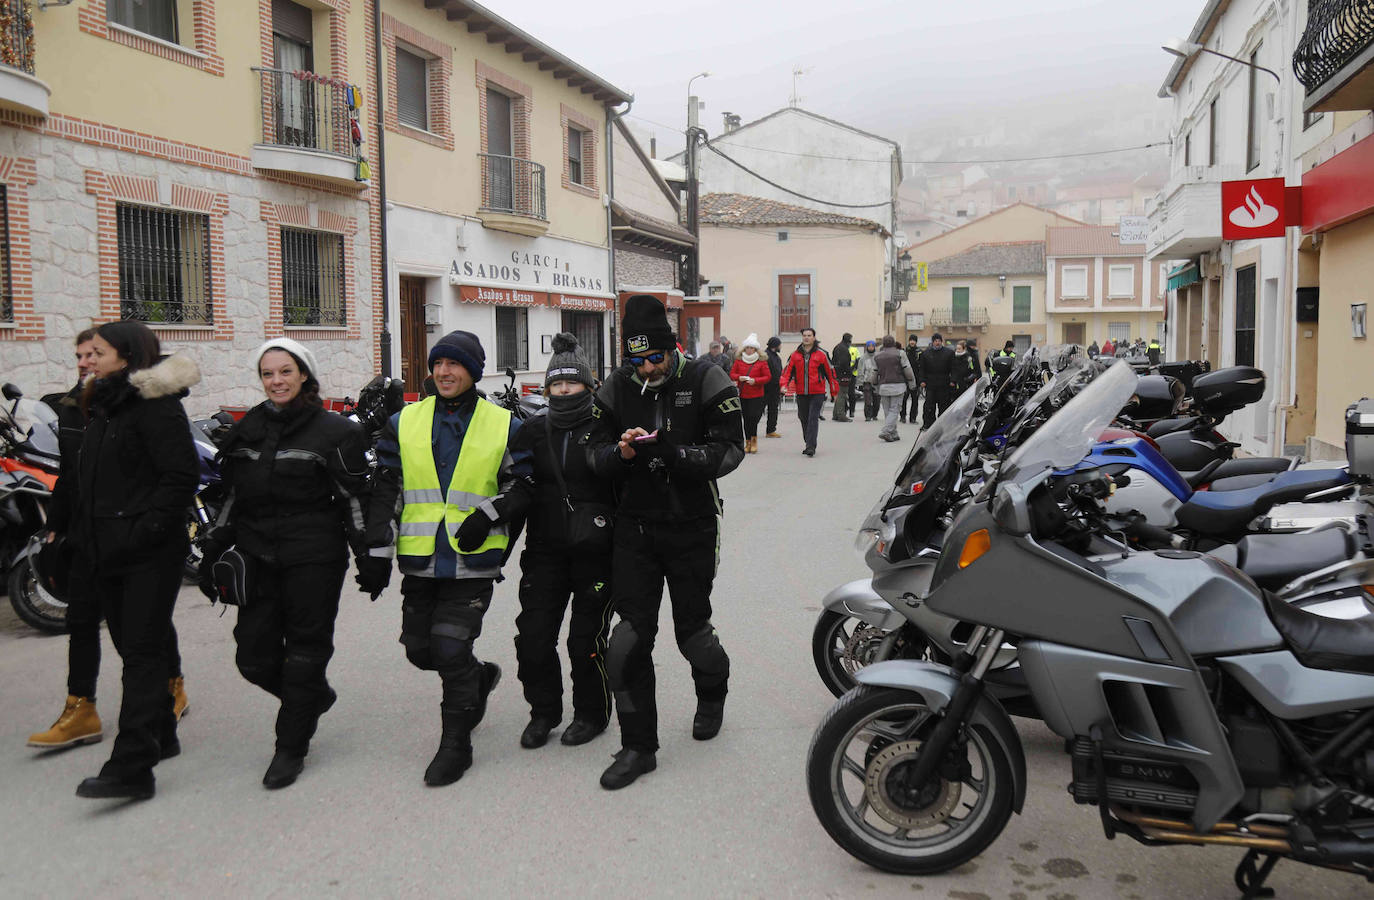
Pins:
x: 293, y: 21
x: 411, y: 90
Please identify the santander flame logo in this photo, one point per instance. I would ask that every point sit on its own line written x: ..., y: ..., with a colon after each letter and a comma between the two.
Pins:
x: 1254, y: 213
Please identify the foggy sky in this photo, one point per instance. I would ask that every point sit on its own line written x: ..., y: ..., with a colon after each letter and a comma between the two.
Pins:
x: 898, y: 69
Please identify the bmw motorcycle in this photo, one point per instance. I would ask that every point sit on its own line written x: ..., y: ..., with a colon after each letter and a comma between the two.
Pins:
x: 1196, y: 707
x: 29, y: 462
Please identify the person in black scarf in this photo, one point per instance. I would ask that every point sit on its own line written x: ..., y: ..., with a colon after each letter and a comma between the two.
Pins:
x: 567, y: 552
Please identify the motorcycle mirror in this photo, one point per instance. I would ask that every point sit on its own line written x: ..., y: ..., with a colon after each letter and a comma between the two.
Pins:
x: 510, y: 373
x: 1010, y: 510
x: 11, y: 392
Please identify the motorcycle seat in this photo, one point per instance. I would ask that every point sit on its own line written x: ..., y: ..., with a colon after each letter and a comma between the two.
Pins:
x: 1227, y: 512
x: 1273, y: 560
x: 1239, y: 482
x: 1319, y: 642
x: 1253, y: 465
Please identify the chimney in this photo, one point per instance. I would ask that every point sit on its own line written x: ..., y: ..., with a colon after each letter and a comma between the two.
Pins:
x: 731, y: 122
x: 653, y: 147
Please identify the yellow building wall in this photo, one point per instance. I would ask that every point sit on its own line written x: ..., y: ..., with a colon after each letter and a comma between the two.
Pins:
x: 985, y: 292
x: 100, y: 80
x: 1345, y: 365
x: 1143, y: 324
x: 420, y: 174
x: 842, y: 263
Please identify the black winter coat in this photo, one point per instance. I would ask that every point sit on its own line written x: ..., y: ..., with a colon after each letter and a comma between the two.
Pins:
x: 71, y: 430
x: 138, y: 471
x: 936, y: 366
x: 698, y: 416
x: 297, y: 484
x: 842, y: 361
x: 566, y: 453
x: 774, y: 384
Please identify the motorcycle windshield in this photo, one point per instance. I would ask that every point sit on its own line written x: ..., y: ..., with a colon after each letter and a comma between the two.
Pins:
x: 1074, y: 367
x: 38, y: 422
x: 1069, y: 434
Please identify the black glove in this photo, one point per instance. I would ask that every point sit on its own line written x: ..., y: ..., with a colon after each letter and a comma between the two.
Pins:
x: 474, y: 530
x: 374, y: 574
x: 205, y: 579
x: 666, y: 448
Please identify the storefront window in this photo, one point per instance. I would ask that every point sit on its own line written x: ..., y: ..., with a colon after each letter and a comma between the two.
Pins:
x: 513, y: 338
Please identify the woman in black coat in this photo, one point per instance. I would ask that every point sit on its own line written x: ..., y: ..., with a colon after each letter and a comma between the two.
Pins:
x: 135, y: 480
x: 296, y: 476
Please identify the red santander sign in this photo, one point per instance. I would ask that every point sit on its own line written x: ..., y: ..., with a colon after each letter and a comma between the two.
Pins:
x: 1253, y: 208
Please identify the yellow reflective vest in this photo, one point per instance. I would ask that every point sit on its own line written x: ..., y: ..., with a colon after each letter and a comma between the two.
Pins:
x: 427, y: 506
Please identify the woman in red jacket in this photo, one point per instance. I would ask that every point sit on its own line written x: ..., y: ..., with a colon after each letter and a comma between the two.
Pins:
x: 750, y: 373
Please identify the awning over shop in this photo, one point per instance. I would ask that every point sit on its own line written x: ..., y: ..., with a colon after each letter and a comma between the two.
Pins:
x: 1184, y: 275
x: 511, y: 296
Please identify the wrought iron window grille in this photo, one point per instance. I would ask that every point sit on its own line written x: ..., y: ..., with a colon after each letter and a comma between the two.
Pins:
x: 312, y: 278
x: 164, y: 265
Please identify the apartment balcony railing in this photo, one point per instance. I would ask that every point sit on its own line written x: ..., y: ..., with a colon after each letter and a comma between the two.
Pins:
x: 512, y: 194
x: 307, y: 126
x: 949, y: 317
x: 1334, y: 55
x: 19, y: 89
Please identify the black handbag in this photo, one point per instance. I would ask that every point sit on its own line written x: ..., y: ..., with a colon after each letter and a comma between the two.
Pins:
x: 233, y: 577
x: 587, y: 524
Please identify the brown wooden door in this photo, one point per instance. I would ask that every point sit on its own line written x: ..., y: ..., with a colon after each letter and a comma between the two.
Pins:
x: 794, y: 303
x: 1073, y: 332
x: 413, y: 353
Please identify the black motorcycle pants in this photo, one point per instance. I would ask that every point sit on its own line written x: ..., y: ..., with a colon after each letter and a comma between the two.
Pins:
x: 938, y: 398
x: 137, y: 603
x: 441, y: 618
x: 285, y: 637
x: 647, y: 553
x: 548, y: 577
x: 83, y: 632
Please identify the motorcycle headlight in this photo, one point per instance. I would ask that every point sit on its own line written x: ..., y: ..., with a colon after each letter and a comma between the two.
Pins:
x: 864, y: 542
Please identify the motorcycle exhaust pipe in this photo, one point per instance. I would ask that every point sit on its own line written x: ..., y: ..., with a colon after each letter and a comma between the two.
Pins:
x: 1269, y: 845
x: 1269, y: 838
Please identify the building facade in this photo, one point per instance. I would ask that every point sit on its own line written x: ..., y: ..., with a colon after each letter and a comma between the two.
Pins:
x: 195, y: 170
x: 1098, y: 288
x: 776, y: 269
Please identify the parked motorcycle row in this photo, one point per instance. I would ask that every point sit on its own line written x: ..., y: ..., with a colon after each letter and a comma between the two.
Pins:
x: 29, y: 468
x: 1199, y: 630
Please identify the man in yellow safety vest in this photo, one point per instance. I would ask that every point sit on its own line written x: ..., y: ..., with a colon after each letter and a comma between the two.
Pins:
x: 446, y: 473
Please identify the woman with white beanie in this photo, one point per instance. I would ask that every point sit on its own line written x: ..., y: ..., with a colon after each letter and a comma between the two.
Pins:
x: 750, y: 372
x: 296, y: 477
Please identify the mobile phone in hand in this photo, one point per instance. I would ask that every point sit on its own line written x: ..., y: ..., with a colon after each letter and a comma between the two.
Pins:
x: 651, y: 438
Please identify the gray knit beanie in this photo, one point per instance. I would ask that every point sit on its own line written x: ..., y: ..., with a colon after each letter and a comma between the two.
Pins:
x: 568, y: 362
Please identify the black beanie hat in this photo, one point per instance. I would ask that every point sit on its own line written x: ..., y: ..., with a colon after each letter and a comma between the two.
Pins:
x: 568, y: 363
x: 645, y: 326
x: 462, y: 346
x: 774, y: 343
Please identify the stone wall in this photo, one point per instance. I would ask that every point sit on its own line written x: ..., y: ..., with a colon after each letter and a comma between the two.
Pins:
x: 643, y: 269
x: 67, y: 243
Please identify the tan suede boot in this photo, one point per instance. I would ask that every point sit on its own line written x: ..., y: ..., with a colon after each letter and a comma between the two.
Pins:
x: 177, y: 688
x: 78, y: 724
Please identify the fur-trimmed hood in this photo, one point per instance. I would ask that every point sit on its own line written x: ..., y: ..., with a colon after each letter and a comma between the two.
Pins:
x: 170, y: 377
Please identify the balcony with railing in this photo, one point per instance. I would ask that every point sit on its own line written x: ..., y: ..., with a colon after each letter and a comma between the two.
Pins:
x: 20, y: 90
x: 1185, y: 217
x: 512, y: 194
x: 959, y: 317
x: 308, y: 127
x: 1334, y: 59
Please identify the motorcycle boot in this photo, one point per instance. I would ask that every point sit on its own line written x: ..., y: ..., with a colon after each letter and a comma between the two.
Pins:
x: 628, y: 766
x: 708, y: 719
x: 455, y: 748
x: 711, y: 672
x: 78, y: 724
x: 177, y: 687
x: 284, y: 769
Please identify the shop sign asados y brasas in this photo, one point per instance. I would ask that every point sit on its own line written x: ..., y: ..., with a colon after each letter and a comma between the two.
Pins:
x: 536, y: 271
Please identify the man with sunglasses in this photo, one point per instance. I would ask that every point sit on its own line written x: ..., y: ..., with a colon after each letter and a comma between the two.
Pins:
x: 665, y: 428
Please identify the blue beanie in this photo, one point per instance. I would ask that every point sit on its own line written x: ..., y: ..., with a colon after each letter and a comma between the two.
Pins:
x: 462, y: 346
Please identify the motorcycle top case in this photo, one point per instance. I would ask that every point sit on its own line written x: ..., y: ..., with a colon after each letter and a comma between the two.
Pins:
x: 1227, y: 390
x: 1184, y: 370
x: 1359, y: 437
x: 1156, y: 397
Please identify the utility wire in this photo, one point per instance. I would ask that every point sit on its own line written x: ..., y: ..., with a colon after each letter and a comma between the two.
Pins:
x: 787, y: 190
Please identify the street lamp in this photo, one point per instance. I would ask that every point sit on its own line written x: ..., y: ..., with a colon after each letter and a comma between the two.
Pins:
x: 694, y: 78
x: 1185, y: 49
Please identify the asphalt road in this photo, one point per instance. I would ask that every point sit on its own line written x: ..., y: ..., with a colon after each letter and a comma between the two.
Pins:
x: 725, y: 818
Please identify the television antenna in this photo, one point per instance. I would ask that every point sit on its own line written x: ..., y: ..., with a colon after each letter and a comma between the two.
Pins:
x: 796, y: 74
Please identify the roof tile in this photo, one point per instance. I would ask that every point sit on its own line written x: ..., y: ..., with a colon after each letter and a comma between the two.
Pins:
x: 742, y: 209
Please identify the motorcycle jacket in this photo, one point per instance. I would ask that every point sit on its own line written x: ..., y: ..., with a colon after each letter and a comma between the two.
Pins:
x: 697, y: 414
x: 554, y: 451
x: 297, y: 481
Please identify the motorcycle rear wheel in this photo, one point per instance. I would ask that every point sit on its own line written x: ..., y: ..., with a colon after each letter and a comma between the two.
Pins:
x: 30, y: 605
x: 853, y: 777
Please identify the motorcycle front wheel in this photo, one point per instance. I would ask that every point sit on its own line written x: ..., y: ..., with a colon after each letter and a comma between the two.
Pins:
x: 854, y: 776
x: 31, y: 604
x: 842, y: 644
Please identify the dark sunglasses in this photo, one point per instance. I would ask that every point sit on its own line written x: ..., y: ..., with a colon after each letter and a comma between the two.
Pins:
x: 654, y: 358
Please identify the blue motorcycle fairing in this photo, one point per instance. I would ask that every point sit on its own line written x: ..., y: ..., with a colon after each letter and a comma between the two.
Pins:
x: 1137, y: 453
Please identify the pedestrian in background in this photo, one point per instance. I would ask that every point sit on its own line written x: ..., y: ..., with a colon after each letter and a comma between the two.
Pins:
x: 136, y: 476
x: 843, y: 363
x: 936, y: 376
x: 865, y: 375
x: 296, y: 482
x: 808, y: 369
x: 1093, y: 350
x: 79, y: 722
x: 717, y: 358
x: 446, y: 467
x: 750, y: 374
x: 894, y: 378
x: 772, y: 391
x: 667, y: 524
x: 567, y: 554
x: 1153, y: 351
x: 966, y: 369
x: 912, y: 398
